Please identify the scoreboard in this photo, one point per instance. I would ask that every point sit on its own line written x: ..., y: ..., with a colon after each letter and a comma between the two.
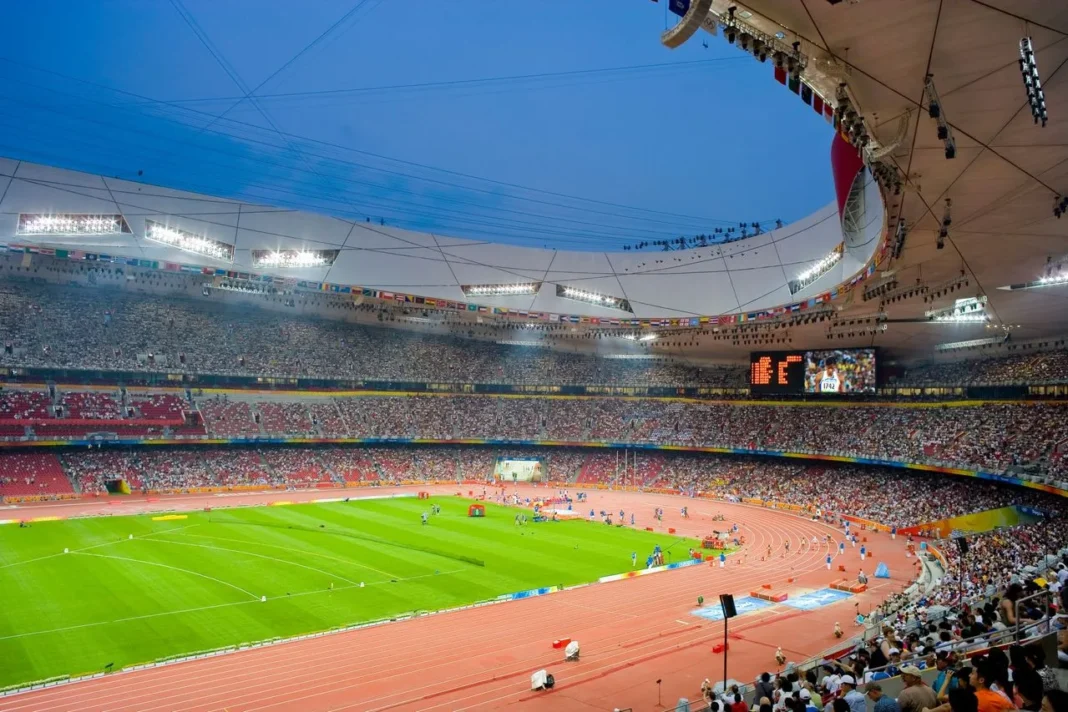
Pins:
x: 777, y: 372
x: 825, y: 372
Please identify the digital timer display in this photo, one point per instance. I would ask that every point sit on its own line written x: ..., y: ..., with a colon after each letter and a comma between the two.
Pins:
x: 776, y: 372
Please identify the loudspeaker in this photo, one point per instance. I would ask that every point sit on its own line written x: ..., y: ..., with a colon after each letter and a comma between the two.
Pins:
x: 726, y: 600
x: 962, y: 545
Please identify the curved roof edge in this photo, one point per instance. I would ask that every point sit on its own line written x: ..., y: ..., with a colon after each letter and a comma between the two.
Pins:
x: 753, y: 278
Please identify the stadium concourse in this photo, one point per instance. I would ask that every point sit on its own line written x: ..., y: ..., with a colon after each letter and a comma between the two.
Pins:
x: 483, y: 657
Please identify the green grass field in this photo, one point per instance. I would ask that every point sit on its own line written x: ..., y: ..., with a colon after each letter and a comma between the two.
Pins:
x: 195, y: 584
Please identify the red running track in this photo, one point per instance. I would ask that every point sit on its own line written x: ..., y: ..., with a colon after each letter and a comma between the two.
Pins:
x: 632, y: 632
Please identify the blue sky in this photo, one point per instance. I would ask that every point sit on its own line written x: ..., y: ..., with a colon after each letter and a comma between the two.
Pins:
x: 610, y: 155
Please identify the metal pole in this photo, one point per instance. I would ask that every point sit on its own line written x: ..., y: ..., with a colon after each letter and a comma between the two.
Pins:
x: 960, y: 581
x: 724, y: 654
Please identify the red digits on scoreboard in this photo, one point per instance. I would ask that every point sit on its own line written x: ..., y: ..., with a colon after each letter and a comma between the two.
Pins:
x: 760, y: 373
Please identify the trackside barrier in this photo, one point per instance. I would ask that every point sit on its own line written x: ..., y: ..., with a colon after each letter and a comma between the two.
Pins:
x: 186, y: 657
x: 654, y: 570
x: 544, y: 591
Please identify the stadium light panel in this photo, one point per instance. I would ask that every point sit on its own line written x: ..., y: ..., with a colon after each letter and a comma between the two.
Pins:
x: 588, y: 297
x: 188, y: 242
x: 500, y: 290
x: 293, y: 259
x: 822, y: 266
x: 71, y: 224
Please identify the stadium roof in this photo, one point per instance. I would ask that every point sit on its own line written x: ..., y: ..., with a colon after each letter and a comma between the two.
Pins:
x: 745, y: 275
x: 1007, y: 171
x: 1003, y: 181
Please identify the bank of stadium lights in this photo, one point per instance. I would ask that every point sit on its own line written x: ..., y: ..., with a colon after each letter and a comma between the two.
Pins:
x: 857, y: 326
x: 848, y: 120
x: 1032, y: 84
x: 931, y: 293
x: 820, y: 268
x: 71, y: 224
x: 644, y: 338
x: 964, y: 311
x: 293, y: 259
x: 947, y: 220
x: 588, y: 297
x: 500, y: 290
x: 886, y: 284
x: 936, y: 112
x: 761, y: 45
x: 1060, y: 206
x: 188, y: 242
x: 972, y: 344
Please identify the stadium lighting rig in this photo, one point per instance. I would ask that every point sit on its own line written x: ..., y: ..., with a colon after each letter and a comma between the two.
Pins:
x: 943, y: 229
x: 877, y: 288
x: 848, y: 121
x: 71, y: 224
x: 822, y: 266
x: 972, y: 344
x: 499, y: 290
x: 601, y: 300
x: 1060, y: 206
x: 900, y: 234
x: 936, y: 112
x: 188, y: 242
x: 293, y: 259
x: 1055, y: 274
x: 964, y: 311
x: 1032, y: 84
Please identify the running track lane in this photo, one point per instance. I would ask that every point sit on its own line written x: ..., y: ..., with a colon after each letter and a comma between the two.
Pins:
x: 482, y: 658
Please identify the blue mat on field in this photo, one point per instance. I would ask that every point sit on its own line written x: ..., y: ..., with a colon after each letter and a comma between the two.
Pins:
x: 881, y: 571
x: 713, y: 612
x: 816, y: 599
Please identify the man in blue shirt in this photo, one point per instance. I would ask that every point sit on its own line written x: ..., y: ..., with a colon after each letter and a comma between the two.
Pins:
x: 883, y: 703
x: 854, y: 699
x: 943, y: 662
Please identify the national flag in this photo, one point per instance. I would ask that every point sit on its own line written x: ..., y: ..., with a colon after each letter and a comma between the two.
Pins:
x: 780, y: 75
x: 806, y: 93
x: 794, y: 84
x: 817, y: 103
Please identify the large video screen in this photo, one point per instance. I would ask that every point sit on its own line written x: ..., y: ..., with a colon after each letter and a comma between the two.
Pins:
x: 840, y: 371
x: 831, y: 372
x: 510, y: 470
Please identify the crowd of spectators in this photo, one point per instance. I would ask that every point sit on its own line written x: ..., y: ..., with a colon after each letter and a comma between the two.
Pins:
x: 999, y: 437
x: 994, y: 438
x: 109, y: 329
x: 890, y: 496
x: 1015, y: 369
x: 50, y: 325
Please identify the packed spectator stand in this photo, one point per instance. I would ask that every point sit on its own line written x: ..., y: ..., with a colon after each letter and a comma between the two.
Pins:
x: 110, y: 330
x: 995, y: 437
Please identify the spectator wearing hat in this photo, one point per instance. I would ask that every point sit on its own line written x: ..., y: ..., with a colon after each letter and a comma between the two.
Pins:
x: 883, y: 703
x: 806, y: 699
x: 916, y: 696
x: 851, y: 695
